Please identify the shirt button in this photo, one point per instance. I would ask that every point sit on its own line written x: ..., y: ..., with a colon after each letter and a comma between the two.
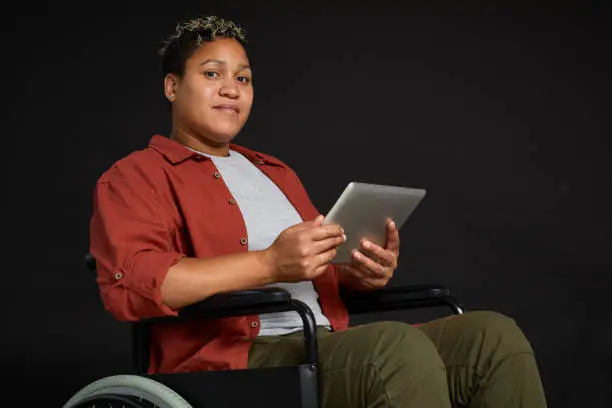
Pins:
x: 232, y: 201
x: 197, y: 157
x: 243, y: 241
x: 260, y: 162
x: 254, y: 324
x: 118, y: 275
x: 217, y: 174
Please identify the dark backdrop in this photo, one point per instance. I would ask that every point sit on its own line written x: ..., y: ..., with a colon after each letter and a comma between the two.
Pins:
x: 501, y: 113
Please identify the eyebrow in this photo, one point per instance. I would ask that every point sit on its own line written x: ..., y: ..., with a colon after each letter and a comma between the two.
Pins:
x: 217, y: 61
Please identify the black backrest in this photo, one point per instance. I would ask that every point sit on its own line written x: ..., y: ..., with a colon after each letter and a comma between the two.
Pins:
x: 90, y: 262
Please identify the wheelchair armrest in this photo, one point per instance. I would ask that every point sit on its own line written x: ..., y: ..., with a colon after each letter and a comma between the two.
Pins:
x: 239, y: 303
x: 399, y: 298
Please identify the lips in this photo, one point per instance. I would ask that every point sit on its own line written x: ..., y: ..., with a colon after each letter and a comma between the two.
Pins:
x: 228, y: 108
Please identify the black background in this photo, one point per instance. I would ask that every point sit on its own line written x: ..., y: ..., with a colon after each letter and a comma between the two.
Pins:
x: 501, y: 113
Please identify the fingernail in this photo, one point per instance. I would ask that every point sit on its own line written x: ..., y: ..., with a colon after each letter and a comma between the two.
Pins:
x: 342, y: 230
x: 356, y: 254
x: 344, y: 237
x: 392, y: 225
x: 366, y: 244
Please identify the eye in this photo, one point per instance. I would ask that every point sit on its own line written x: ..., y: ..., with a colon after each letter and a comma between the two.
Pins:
x: 211, y: 74
x: 244, y: 79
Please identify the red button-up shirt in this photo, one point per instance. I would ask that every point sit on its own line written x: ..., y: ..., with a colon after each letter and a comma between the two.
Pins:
x: 162, y: 203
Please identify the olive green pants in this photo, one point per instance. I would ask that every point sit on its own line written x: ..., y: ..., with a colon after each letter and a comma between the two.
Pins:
x: 478, y: 359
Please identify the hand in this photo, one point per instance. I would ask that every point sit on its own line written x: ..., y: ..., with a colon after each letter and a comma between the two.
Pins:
x: 372, y: 266
x: 303, y: 252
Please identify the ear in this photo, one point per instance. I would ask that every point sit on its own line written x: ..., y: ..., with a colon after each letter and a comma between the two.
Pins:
x: 171, y: 83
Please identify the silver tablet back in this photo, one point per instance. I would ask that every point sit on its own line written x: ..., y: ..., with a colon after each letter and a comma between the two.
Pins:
x: 362, y: 210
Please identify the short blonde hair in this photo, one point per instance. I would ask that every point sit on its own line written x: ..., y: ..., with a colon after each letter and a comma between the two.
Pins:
x: 190, y: 35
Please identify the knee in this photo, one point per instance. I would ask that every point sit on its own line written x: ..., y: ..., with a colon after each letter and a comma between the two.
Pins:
x: 385, y: 364
x: 494, y: 327
x: 406, y: 345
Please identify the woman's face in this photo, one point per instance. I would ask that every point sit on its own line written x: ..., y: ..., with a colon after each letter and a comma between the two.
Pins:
x: 213, y: 98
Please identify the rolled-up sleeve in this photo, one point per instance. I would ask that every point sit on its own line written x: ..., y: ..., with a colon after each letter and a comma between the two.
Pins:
x: 131, y: 238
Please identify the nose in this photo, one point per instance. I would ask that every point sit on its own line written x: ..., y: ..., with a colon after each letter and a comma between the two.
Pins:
x: 229, y: 89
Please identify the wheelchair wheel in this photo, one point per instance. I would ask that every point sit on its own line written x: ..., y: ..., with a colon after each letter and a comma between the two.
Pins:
x: 126, y: 391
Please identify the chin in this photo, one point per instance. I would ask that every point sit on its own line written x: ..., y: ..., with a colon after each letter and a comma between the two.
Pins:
x: 225, y: 134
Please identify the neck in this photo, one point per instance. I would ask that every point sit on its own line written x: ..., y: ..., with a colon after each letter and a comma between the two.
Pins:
x: 199, y: 142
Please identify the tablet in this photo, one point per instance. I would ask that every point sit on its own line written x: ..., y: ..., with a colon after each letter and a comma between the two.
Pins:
x: 362, y: 210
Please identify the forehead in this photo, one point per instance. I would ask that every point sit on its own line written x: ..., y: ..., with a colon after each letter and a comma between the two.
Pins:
x: 227, y: 50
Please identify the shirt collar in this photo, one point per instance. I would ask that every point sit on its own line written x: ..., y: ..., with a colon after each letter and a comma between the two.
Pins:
x: 176, y: 152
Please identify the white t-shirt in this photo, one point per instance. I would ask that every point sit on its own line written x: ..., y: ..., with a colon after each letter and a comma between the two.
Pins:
x: 267, y: 212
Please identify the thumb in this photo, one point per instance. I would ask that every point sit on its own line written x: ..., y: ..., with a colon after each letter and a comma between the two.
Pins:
x: 318, y: 221
x: 309, y: 224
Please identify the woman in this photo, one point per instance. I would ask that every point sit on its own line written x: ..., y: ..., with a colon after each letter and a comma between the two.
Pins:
x: 195, y: 214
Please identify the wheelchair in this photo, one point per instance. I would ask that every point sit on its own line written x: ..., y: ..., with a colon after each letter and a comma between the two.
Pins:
x: 285, y: 386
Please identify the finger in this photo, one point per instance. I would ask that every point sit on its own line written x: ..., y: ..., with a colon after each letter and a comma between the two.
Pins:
x: 324, y: 258
x: 363, y: 271
x: 301, y: 226
x: 375, y: 283
x: 393, y: 241
x: 375, y: 252
x: 328, y: 243
x: 374, y: 268
x: 326, y: 231
x: 356, y: 271
x: 316, y: 222
x: 365, y: 278
x: 319, y: 270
